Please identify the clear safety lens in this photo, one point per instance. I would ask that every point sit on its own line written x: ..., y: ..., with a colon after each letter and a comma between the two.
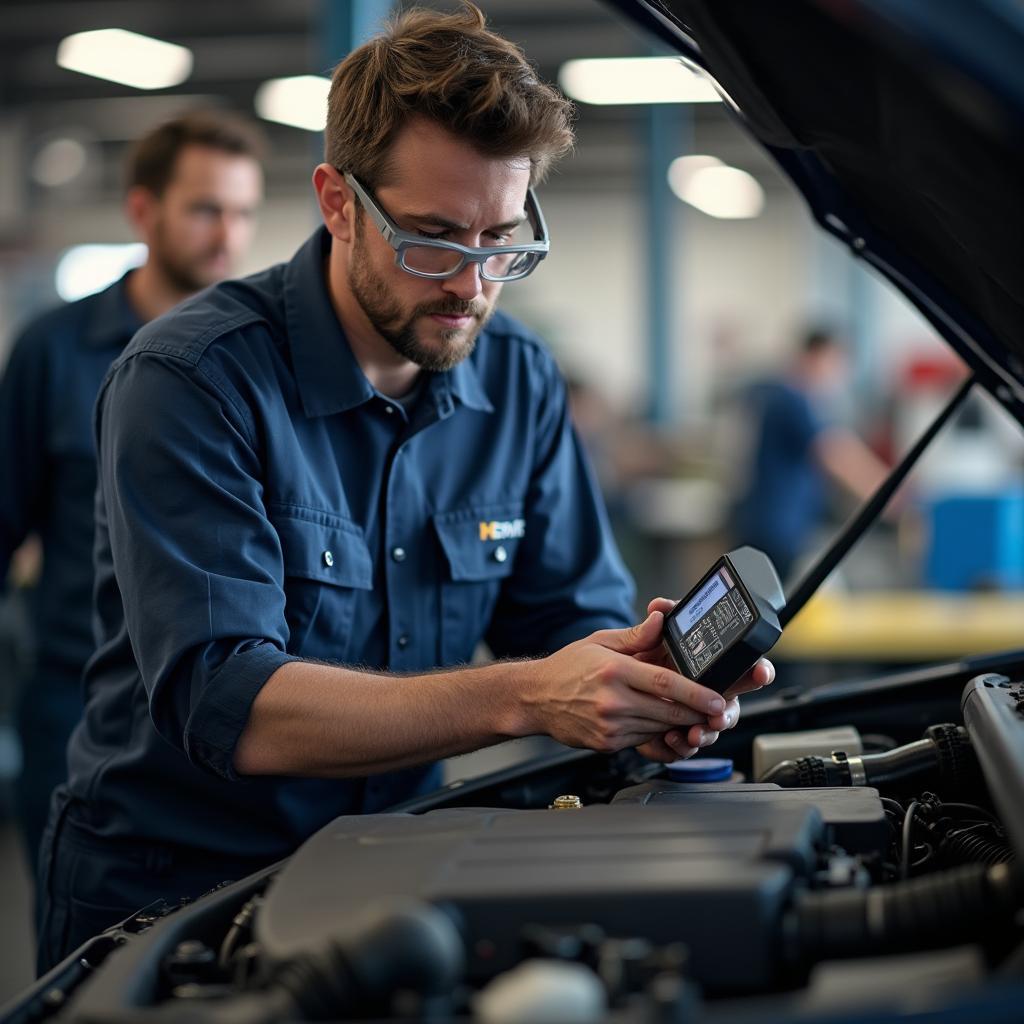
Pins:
x: 439, y: 262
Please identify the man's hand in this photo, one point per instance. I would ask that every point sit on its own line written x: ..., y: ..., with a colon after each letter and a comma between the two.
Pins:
x: 605, y: 692
x: 677, y: 743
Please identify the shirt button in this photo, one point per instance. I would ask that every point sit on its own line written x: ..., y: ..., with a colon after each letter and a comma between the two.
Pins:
x: 398, y: 554
x: 389, y: 409
x: 328, y: 559
x: 500, y: 554
x: 403, y: 641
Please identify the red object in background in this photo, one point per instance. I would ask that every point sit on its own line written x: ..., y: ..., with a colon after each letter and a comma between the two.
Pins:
x: 937, y: 370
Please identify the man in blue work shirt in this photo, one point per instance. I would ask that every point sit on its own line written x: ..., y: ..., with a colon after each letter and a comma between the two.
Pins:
x: 193, y: 186
x: 322, y: 486
x: 799, y: 452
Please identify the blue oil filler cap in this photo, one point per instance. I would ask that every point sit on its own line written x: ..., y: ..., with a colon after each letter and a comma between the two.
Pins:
x: 701, y: 769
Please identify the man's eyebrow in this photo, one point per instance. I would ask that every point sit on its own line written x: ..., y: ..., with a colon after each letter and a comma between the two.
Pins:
x: 451, y: 225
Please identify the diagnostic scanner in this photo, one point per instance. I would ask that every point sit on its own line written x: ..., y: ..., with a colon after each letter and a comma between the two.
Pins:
x: 718, y: 631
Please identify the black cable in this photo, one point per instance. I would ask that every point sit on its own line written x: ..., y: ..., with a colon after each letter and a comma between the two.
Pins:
x: 970, y: 809
x: 242, y: 921
x: 908, y: 824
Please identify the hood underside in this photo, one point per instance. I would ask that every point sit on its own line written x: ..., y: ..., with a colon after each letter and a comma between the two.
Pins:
x: 902, y: 124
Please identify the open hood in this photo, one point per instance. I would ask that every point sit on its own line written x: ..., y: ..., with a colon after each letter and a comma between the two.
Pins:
x: 902, y: 124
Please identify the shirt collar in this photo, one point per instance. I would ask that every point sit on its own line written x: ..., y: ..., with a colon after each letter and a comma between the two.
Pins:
x: 329, y: 377
x: 463, y: 382
x: 112, y: 319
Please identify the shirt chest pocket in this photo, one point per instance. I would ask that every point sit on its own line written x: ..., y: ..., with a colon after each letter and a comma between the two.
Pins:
x: 479, y: 544
x: 326, y: 564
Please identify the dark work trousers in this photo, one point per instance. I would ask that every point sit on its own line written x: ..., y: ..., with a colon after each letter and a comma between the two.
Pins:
x: 49, y: 707
x: 90, y: 882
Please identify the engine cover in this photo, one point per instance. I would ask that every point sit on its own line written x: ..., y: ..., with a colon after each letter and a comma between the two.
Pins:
x: 710, y: 874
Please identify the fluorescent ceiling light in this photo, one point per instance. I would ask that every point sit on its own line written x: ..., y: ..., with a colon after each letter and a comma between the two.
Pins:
x: 300, y: 101
x: 634, y: 80
x: 125, y: 57
x: 718, y: 190
x: 84, y: 269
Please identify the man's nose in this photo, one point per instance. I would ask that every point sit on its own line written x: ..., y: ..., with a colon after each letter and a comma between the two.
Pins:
x: 466, y: 283
x: 235, y: 231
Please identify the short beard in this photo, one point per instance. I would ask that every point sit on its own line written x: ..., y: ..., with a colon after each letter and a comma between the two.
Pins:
x: 386, y: 316
x: 181, y: 275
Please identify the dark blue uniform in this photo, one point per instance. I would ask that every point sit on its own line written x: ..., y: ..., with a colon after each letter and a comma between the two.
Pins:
x: 261, y: 502
x: 47, y: 486
x: 785, y: 498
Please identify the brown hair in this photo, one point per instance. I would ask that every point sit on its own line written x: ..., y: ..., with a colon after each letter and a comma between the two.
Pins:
x: 450, y: 69
x: 152, y: 159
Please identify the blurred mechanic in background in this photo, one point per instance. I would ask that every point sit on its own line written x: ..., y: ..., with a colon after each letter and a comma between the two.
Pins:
x: 799, y: 453
x: 193, y: 187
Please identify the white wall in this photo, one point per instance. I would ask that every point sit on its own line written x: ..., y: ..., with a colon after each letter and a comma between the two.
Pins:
x: 742, y: 287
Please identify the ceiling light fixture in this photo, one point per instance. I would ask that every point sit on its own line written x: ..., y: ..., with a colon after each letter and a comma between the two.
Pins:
x: 128, y: 58
x: 624, y: 80
x: 719, y: 190
x: 300, y: 101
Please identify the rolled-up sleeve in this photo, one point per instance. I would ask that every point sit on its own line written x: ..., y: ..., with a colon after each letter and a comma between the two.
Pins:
x: 196, y: 560
x: 569, y: 578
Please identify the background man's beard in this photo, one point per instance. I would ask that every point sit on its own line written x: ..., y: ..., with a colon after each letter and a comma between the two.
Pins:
x: 183, y: 276
x: 385, y: 316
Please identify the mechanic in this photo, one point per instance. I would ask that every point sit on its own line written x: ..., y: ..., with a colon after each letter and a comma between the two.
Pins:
x: 193, y: 186
x: 322, y: 486
x: 800, y: 451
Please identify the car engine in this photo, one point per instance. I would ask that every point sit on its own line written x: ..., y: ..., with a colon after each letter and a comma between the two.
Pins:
x: 597, y: 888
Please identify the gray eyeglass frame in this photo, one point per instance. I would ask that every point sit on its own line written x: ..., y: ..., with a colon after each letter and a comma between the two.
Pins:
x: 400, y: 240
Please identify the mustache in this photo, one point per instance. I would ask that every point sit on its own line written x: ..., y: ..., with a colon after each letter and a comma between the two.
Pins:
x: 456, y: 308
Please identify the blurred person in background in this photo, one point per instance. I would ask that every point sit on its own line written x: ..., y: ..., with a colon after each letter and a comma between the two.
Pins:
x: 193, y: 188
x: 799, y: 452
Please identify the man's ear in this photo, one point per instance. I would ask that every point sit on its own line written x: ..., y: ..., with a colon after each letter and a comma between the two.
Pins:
x: 337, y: 202
x: 141, y: 207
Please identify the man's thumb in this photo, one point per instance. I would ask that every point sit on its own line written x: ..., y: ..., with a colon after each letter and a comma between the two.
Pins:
x: 641, y: 637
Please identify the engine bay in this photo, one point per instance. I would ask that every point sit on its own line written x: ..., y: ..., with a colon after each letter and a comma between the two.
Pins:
x: 882, y: 881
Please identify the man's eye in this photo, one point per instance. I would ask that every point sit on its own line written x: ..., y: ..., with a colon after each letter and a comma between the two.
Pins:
x: 438, y: 235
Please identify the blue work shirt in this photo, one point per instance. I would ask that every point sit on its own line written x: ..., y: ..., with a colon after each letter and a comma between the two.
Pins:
x: 48, y: 463
x: 785, y: 498
x: 260, y: 502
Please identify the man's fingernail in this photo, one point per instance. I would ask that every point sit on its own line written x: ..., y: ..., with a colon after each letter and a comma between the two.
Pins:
x: 716, y: 706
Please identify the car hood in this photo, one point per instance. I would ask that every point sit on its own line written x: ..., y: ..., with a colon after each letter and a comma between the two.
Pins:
x: 902, y: 124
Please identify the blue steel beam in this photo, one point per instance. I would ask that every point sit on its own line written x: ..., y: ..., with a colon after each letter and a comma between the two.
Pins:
x: 669, y: 128
x: 345, y: 24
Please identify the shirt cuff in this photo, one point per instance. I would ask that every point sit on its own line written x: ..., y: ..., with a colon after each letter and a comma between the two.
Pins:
x: 222, y: 712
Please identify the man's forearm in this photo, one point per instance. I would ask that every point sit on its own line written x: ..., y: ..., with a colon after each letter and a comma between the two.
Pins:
x: 610, y: 690
x: 327, y: 721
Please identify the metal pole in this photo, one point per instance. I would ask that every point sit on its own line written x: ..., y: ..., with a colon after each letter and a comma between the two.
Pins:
x: 669, y: 128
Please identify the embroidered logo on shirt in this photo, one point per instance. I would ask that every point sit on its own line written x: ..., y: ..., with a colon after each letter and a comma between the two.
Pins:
x: 498, y: 530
